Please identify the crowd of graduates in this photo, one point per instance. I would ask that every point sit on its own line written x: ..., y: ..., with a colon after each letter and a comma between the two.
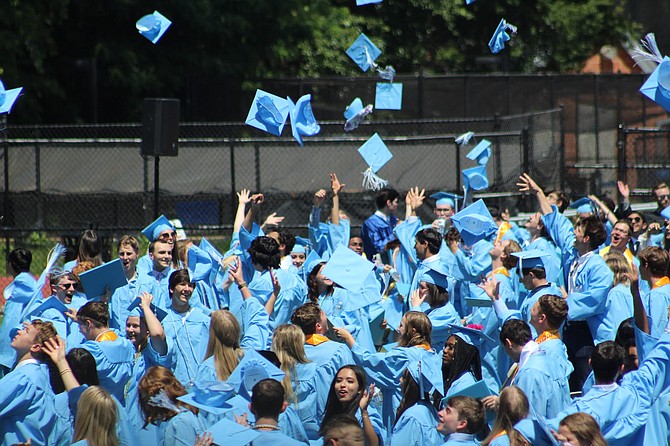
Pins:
x: 469, y: 329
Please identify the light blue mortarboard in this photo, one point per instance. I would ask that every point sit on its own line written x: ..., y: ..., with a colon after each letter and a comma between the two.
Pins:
x: 442, y: 198
x: 388, y: 96
x: 435, y: 275
x: 298, y: 249
x: 427, y: 373
x: 231, y: 433
x: 469, y: 2
x: 312, y: 260
x: 51, y: 302
x: 665, y: 213
x: 657, y: 87
x: 156, y: 227
x: 8, y: 97
x: 252, y: 369
x: 301, y: 245
x: 200, y: 264
x: 157, y: 311
x: 470, y: 335
x: 367, y: 2
x: 500, y: 36
x: 475, y: 178
x: 95, y: 280
x: 303, y: 122
x: 153, y: 26
x: 530, y: 259
x: 268, y: 112
x: 474, y: 223
x: 376, y: 154
x: 481, y: 152
x: 477, y: 390
x: 206, y: 246
x: 347, y: 269
x: 355, y: 113
x: 210, y: 396
x: 537, y: 431
x: 363, y: 52
x: 584, y: 206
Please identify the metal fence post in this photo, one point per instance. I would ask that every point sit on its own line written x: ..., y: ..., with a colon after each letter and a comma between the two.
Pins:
x: 233, y: 185
x: 621, y: 153
x: 561, y: 149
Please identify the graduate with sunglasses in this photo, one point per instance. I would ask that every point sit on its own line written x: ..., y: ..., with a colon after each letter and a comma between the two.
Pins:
x: 159, y: 230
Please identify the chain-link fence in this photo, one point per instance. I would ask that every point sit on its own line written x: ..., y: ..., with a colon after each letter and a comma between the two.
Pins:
x: 59, y: 180
x: 643, y: 158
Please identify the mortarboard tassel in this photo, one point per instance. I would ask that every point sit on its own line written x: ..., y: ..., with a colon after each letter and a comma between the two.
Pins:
x: 464, y: 138
x: 371, y: 181
x: 648, y: 51
x: 53, y: 256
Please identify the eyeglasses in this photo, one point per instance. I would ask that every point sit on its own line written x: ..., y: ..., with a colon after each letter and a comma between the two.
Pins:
x: 634, y: 219
x: 167, y: 236
x: 67, y: 286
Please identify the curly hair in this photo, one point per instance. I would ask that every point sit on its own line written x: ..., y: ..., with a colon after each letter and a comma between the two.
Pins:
x: 159, y: 380
x: 264, y: 251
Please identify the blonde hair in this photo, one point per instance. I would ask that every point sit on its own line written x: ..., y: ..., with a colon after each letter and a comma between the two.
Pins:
x: 96, y: 419
x: 619, y: 266
x: 224, y: 343
x: 288, y: 343
x: 513, y: 407
x: 417, y: 329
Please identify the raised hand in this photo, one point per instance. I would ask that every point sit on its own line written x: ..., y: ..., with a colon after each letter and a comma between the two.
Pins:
x: 335, y: 184
x: 243, y: 196
x: 273, y: 219
x: 527, y: 184
x: 319, y: 197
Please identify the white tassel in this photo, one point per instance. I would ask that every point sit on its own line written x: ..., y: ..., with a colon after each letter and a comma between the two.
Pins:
x: 648, y: 51
x: 371, y: 181
x: 387, y: 73
x: 53, y: 256
x: 464, y: 138
x: 511, y: 28
x: 161, y: 399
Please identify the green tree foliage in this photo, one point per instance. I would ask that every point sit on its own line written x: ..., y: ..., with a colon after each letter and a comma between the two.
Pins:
x: 66, y: 54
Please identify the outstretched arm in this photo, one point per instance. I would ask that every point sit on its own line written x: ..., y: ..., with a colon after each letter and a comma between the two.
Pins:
x: 641, y: 319
x: 527, y: 184
x: 335, y: 187
x: 242, y: 200
x: 605, y: 210
x: 256, y: 201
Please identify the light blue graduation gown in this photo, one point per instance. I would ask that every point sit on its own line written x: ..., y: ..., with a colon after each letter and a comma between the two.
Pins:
x: 143, y: 361
x: 619, y: 307
x: 462, y: 382
x: 122, y: 298
x: 417, y: 426
x: 470, y: 266
x: 114, y: 361
x: 357, y: 321
x: 180, y: 430
x: 552, y: 263
x: 157, y: 284
x: 593, y: 280
x: 311, y: 390
x: 66, y: 327
x: 502, y: 440
x: 27, y: 409
x: 376, y: 421
x: 376, y: 232
x: 440, y: 318
x: 533, y: 296
x: 329, y: 356
x: 458, y: 438
x: 188, y: 333
x: 385, y: 370
x: 326, y: 237
x: 656, y: 304
x: 274, y: 438
x: 17, y: 295
x: 545, y: 385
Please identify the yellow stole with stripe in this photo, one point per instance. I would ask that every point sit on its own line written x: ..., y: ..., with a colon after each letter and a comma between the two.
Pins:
x: 316, y: 339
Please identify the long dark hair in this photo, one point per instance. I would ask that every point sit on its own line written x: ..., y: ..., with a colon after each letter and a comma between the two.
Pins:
x: 411, y: 394
x: 437, y: 296
x: 313, y: 287
x: 333, y: 405
x: 466, y: 359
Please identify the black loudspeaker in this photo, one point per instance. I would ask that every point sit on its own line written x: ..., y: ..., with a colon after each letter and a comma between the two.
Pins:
x: 160, y: 127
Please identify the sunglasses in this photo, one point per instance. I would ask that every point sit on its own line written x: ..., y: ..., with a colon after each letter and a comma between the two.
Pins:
x: 635, y: 219
x: 167, y: 236
x: 662, y: 197
x: 67, y: 286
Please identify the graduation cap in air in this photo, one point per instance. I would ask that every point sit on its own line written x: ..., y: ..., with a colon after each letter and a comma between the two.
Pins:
x: 474, y: 223
x: 584, y: 206
x: 363, y: 52
x: 231, y: 433
x: 8, y: 97
x: 200, y: 264
x: 210, y: 396
x: 157, y: 226
x: 446, y: 198
x: 367, y: 2
x: 388, y: 96
x: 657, y: 86
x: 500, y: 36
x: 268, y: 112
x: 347, y: 269
x: 475, y: 178
x: 153, y: 26
x: 355, y: 113
x: 530, y: 259
x: 481, y: 152
x: 108, y: 275
x: 252, y: 369
x: 303, y: 122
x: 376, y: 155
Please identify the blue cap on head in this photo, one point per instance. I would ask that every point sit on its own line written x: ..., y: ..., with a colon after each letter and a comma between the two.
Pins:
x: 446, y: 198
x: 531, y: 258
x: 584, y: 206
x: 157, y: 226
